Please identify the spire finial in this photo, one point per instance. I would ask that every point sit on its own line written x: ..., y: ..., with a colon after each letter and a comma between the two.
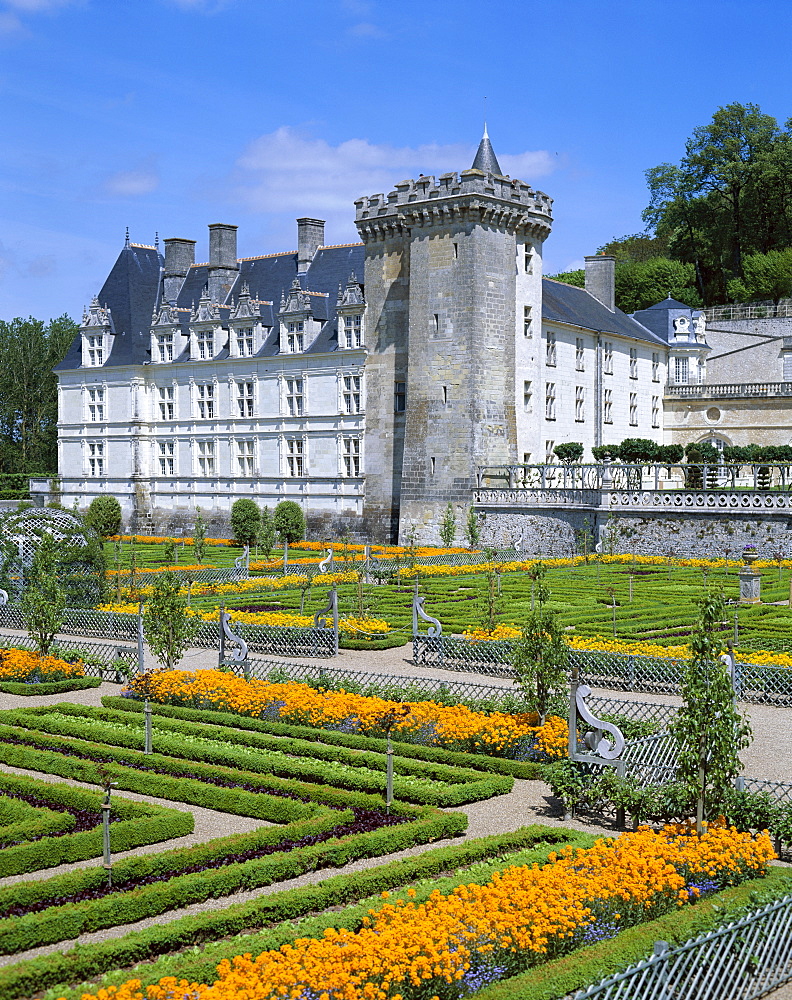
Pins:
x: 126, y: 238
x: 485, y: 136
x: 156, y: 240
x: 486, y: 160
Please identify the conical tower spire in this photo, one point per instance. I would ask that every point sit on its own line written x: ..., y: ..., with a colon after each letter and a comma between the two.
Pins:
x: 486, y: 159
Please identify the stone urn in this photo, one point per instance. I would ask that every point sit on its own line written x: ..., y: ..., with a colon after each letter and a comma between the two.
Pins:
x: 750, y: 555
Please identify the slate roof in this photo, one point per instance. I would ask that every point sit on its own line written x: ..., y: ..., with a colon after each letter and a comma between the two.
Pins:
x: 486, y: 159
x: 660, y: 318
x: 562, y: 303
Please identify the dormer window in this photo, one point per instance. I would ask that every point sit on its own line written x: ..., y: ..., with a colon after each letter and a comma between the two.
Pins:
x: 204, y: 341
x: 294, y: 337
x: 165, y: 347
x: 353, y: 331
x: 95, y: 351
x: 97, y: 335
x: 244, y: 341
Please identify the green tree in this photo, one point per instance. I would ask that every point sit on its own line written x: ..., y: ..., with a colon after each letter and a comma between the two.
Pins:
x: 568, y: 452
x: 765, y: 276
x: 168, y: 628
x: 104, y: 516
x: 472, y: 529
x: 448, y: 526
x: 245, y: 521
x: 289, y: 521
x: 266, y: 533
x: 43, y: 600
x: 708, y: 729
x: 199, y: 537
x: 539, y: 661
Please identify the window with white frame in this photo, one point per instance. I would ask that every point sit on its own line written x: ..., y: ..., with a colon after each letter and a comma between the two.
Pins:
x: 352, y: 393
x: 295, y: 397
x: 527, y: 394
x: 700, y: 371
x: 245, y: 398
x: 295, y: 458
x: 786, y: 366
x: 351, y: 456
x: 580, y: 404
x: 205, y: 342
x: 206, y: 458
x: 353, y: 331
x: 633, y: 362
x: 655, y: 411
x: 167, y: 403
x: 607, y: 406
x: 527, y: 322
x: 655, y: 366
x: 579, y: 355
x: 294, y: 337
x: 681, y: 375
x: 633, y: 409
x: 549, y: 447
x: 167, y: 457
x: 96, y: 405
x: 95, y: 351
x: 551, y: 354
x: 96, y: 457
x: 204, y: 394
x: 244, y: 341
x: 400, y: 397
x: 550, y: 401
x: 528, y: 259
x: 165, y: 346
x: 246, y: 457
x: 607, y: 357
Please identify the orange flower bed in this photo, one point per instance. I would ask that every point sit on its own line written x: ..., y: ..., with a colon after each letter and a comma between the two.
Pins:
x: 408, y: 951
x: 24, y: 666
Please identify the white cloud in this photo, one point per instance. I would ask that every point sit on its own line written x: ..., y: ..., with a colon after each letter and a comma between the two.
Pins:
x: 365, y: 29
x: 202, y: 6
x: 34, y: 6
x: 9, y: 24
x: 132, y: 183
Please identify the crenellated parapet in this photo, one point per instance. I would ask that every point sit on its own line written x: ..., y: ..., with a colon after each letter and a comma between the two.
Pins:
x: 472, y: 195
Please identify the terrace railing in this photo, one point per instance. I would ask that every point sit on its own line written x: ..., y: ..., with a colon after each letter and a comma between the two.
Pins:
x: 743, y: 960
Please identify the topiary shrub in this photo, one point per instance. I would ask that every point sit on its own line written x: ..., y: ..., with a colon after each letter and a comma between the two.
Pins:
x: 245, y: 521
x: 104, y: 516
x: 289, y: 521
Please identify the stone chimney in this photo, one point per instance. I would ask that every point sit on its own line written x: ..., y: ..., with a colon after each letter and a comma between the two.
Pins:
x: 601, y: 279
x: 223, y: 263
x: 310, y: 236
x: 179, y: 258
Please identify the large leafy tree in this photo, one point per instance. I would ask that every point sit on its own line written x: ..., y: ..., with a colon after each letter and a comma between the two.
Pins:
x: 28, y: 392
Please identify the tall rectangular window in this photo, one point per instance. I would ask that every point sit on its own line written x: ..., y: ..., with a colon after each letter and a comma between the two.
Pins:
x: 633, y: 409
x: 787, y: 367
x: 245, y: 399
x: 527, y: 322
x: 246, y: 457
x: 527, y: 394
x: 96, y: 458
x: 95, y: 351
x: 550, y: 355
x: 244, y: 341
x: 205, y: 342
x: 352, y: 403
x: 205, y: 396
x: 351, y: 456
x: 580, y: 404
x: 166, y: 402
x: 353, y: 331
x: 295, y: 460
x: 681, y: 371
x: 579, y: 355
x: 165, y: 346
x: 294, y: 397
x: 607, y: 357
x: 550, y: 401
x: 607, y: 406
x: 206, y: 458
x: 294, y: 337
x: 655, y: 411
x: 549, y: 448
x: 167, y: 457
x: 633, y: 362
x: 400, y: 397
x: 528, y: 259
x: 96, y: 409
x: 655, y: 366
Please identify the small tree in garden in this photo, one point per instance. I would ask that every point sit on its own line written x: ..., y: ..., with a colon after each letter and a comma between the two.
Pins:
x: 168, y: 628
x: 472, y: 530
x: 104, y: 516
x: 44, y: 600
x: 289, y: 521
x: 169, y: 552
x: 245, y: 521
x: 199, y: 536
x: 448, y: 527
x: 539, y: 660
x: 266, y: 532
x: 708, y: 729
x: 568, y: 452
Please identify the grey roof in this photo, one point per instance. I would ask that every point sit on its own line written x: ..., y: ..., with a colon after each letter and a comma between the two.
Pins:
x: 660, y: 317
x: 562, y: 303
x: 486, y: 159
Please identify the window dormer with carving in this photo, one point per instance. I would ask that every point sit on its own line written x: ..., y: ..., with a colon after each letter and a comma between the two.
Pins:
x: 97, y: 335
x: 350, y: 307
x: 300, y: 318
x: 168, y: 339
x: 247, y: 332
x: 205, y: 328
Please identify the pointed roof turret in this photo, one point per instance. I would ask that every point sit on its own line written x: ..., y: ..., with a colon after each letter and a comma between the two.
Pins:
x: 486, y: 160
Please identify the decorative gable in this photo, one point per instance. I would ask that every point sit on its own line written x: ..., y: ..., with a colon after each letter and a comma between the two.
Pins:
x: 167, y: 334
x: 351, y: 308
x: 97, y: 333
x: 247, y: 332
x: 206, y: 329
x: 298, y: 327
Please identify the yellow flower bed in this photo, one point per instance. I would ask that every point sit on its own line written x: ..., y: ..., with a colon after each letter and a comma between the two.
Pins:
x: 406, y: 950
x: 23, y: 665
x: 155, y: 569
x: 601, y: 644
x: 454, y: 726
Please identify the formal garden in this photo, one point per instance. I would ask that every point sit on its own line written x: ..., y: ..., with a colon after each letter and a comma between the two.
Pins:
x: 329, y: 768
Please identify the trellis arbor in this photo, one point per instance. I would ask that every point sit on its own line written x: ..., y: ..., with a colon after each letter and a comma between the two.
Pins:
x: 80, y: 563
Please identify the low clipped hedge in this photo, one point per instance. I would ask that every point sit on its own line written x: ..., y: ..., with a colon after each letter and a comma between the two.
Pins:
x: 386, y: 642
x: 39, y: 822
x: 51, y: 687
x: 90, y: 960
x: 354, y: 741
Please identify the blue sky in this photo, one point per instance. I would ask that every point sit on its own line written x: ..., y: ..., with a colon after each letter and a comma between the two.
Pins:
x: 167, y: 115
